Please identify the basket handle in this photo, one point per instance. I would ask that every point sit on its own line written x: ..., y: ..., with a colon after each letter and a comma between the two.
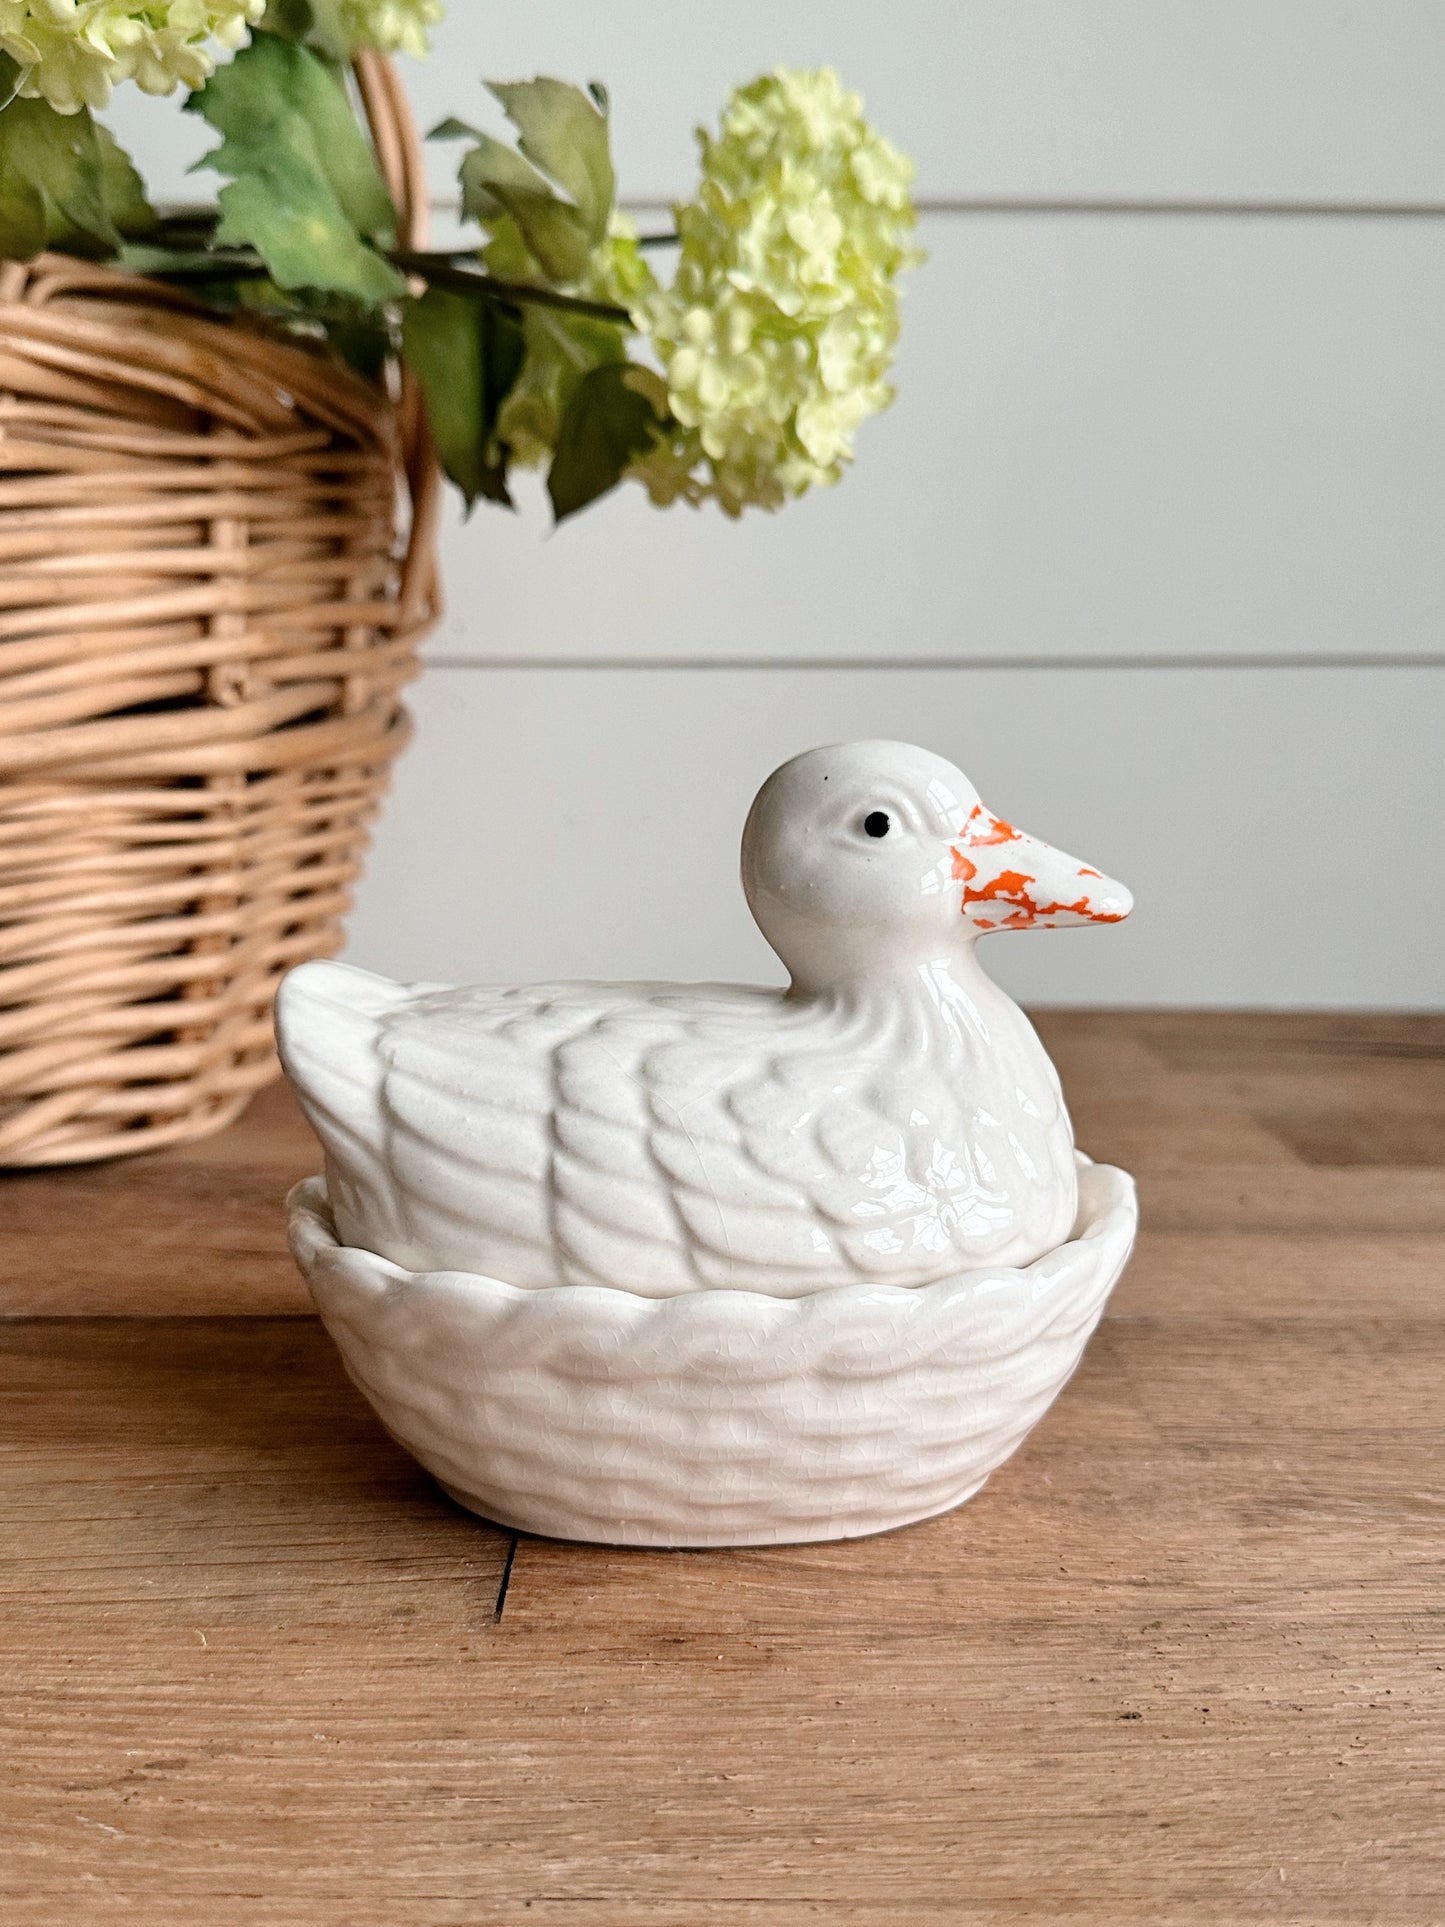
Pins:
x: 398, y: 147
x: 403, y: 167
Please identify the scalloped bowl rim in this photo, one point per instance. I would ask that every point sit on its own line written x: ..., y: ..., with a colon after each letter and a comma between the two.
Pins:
x: 718, y: 1417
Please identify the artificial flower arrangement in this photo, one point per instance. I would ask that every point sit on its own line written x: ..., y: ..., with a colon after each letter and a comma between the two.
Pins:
x: 550, y: 342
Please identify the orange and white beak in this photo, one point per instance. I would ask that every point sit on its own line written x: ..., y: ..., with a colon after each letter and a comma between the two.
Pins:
x: 1012, y: 881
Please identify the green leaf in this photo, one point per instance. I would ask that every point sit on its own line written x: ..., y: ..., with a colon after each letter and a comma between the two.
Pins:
x: 564, y: 134
x: 497, y: 180
x: 552, y: 232
x: 52, y: 182
x: 303, y: 244
x: 452, y: 129
x: 561, y: 350
x: 314, y: 23
x: 305, y: 191
x: 613, y: 416
x: 291, y: 19
x: 466, y: 353
x: 273, y: 89
x: 122, y: 188
x: 22, y: 209
x: 563, y: 145
x: 362, y: 345
x: 490, y: 170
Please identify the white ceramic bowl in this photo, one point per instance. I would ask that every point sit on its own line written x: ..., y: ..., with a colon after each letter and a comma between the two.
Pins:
x: 721, y: 1418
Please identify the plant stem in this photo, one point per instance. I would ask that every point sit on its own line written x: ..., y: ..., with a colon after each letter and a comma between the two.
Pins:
x: 440, y: 271
x: 659, y: 240
x: 199, y: 217
x: 198, y: 266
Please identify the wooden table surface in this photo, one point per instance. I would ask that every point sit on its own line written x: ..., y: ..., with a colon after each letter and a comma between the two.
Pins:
x: 1183, y: 1660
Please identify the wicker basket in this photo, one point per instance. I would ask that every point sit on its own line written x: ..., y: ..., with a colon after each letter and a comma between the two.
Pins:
x: 206, y: 615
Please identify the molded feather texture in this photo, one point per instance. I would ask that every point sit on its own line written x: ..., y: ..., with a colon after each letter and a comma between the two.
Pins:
x: 663, y: 1140
x: 720, y: 1418
x: 329, y: 1023
x: 890, y: 1118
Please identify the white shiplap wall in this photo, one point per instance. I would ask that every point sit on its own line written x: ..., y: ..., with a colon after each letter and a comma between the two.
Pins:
x: 1151, y: 542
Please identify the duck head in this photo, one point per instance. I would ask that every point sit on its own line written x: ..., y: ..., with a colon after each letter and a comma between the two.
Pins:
x: 866, y: 858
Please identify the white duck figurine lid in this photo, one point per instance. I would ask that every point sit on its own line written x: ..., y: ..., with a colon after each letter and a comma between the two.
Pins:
x: 890, y: 1117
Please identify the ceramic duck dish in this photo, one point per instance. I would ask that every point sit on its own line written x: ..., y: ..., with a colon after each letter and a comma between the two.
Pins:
x: 857, y: 1199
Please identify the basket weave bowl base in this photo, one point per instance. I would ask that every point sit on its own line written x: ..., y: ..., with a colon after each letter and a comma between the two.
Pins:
x: 628, y: 1539
x: 720, y: 1418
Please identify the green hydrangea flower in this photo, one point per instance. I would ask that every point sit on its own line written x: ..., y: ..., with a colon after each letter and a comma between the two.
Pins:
x: 778, y: 331
x: 72, y: 52
x: 391, y: 26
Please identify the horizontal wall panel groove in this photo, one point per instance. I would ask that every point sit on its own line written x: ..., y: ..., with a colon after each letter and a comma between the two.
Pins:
x: 750, y: 664
x: 1038, y: 99
x: 1017, y: 97
x: 1346, y: 209
x: 651, y: 214
x: 1281, y: 831
x: 1113, y: 438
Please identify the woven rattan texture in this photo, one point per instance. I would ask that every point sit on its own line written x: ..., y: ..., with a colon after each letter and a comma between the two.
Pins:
x: 207, y: 610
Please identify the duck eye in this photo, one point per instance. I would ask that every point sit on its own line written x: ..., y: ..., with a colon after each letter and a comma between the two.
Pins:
x: 877, y: 823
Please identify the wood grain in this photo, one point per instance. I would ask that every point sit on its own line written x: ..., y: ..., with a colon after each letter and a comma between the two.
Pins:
x: 1183, y: 1660
x: 192, y: 1230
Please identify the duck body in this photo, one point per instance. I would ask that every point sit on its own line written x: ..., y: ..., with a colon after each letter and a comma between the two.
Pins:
x: 890, y: 1118
x: 664, y: 1139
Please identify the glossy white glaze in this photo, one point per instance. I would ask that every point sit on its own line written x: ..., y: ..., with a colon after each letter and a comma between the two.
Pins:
x: 891, y: 1117
x: 716, y: 1418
